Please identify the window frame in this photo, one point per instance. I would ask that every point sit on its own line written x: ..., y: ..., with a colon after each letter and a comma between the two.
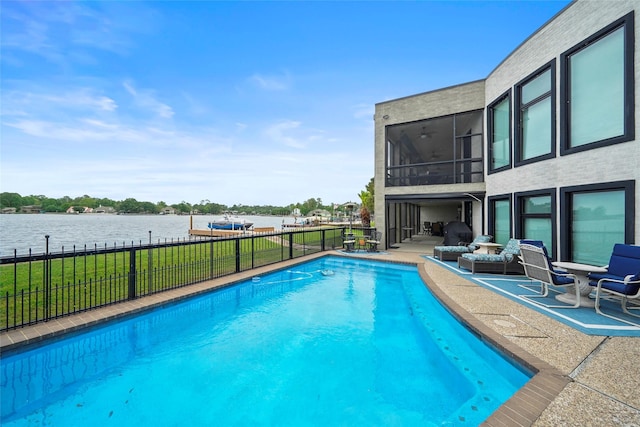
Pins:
x: 491, y: 218
x: 626, y: 22
x: 490, y: 127
x: 566, y: 208
x: 519, y: 138
x: 520, y: 217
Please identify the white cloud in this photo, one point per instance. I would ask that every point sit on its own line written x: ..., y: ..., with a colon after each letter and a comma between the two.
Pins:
x: 146, y: 99
x: 53, y: 102
x: 279, y: 133
x: 271, y: 83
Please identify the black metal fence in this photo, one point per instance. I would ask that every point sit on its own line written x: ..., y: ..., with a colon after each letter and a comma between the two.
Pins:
x: 40, y: 287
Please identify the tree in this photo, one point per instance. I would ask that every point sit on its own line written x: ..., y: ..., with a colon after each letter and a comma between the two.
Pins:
x: 148, y: 207
x: 182, y: 207
x: 129, y: 205
x: 367, y: 207
x: 10, y: 200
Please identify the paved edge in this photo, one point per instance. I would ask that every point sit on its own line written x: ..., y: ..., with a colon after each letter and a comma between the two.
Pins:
x: 528, y: 403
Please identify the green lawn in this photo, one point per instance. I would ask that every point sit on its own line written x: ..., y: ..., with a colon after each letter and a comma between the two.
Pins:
x: 86, y: 281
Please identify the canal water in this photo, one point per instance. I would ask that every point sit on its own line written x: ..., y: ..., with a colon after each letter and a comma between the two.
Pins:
x: 21, y: 232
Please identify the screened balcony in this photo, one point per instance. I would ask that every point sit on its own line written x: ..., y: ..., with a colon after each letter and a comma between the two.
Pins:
x: 442, y: 150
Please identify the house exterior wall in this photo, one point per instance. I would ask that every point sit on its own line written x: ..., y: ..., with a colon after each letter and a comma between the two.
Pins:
x: 612, y: 163
x: 443, y: 102
x: 619, y: 162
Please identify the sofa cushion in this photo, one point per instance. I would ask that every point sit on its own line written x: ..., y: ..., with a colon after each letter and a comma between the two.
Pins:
x: 485, y: 257
x: 511, y: 249
x: 460, y: 249
x: 483, y: 238
x: 561, y: 280
x: 622, y: 288
x: 625, y: 260
x: 538, y: 244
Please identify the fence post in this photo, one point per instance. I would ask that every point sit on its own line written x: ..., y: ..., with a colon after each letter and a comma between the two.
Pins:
x: 291, y: 245
x: 47, y: 281
x: 132, y: 273
x: 211, y: 264
x: 253, y: 251
x: 322, y: 237
x: 237, y: 255
x: 150, y: 267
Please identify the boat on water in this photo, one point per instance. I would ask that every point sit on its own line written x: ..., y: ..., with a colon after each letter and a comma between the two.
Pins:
x: 230, y: 222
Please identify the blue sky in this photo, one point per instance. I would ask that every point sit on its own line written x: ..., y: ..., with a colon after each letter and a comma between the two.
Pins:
x: 256, y: 103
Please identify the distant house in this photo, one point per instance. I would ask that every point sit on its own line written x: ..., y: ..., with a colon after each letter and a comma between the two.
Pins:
x: 9, y: 210
x: 104, y: 209
x: 319, y: 215
x: 31, y: 209
x: 168, y: 211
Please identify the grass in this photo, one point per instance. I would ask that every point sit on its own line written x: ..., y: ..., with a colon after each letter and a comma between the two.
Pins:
x: 91, y: 280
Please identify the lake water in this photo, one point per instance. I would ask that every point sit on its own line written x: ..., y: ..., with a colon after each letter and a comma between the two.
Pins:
x: 21, y: 232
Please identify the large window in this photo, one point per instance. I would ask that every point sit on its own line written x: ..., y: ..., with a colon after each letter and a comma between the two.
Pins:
x: 595, y: 217
x: 598, y: 89
x: 500, y: 218
x: 536, y: 217
x: 500, y: 134
x: 535, y: 116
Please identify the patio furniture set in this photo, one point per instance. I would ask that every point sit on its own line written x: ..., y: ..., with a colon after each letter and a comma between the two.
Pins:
x: 619, y: 280
x: 480, y: 255
x: 368, y: 243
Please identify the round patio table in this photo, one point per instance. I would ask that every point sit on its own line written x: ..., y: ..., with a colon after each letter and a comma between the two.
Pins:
x: 581, y: 271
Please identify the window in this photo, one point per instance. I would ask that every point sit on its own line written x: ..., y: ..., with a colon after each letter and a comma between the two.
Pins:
x: 500, y: 218
x: 500, y: 134
x: 598, y: 89
x: 536, y: 217
x: 595, y: 217
x: 535, y: 115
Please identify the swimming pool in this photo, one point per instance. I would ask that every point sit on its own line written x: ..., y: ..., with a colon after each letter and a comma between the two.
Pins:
x: 335, y: 341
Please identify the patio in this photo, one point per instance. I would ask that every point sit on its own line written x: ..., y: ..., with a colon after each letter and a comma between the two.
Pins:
x: 517, y: 288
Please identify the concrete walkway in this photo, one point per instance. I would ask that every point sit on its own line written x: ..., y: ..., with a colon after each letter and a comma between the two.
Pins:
x: 582, y: 380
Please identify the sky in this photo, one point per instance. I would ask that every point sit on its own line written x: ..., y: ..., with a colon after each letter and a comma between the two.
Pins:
x: 237, y: 103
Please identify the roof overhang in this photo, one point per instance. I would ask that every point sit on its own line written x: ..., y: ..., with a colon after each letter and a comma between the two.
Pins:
x: 475, y: 196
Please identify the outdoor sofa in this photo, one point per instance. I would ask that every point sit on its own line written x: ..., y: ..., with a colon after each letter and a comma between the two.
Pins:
x: 451, y: 253
x: 506, y: 262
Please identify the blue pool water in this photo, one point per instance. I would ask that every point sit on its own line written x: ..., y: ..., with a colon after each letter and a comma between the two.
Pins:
x: 335, y: 341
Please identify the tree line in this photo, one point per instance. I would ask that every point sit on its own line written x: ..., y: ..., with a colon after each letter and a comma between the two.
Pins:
x: 133, y: 206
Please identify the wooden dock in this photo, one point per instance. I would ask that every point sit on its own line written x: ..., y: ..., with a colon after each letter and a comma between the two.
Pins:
x: 230, y: 233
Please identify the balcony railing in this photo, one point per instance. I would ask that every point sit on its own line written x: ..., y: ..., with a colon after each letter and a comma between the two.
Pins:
x: 436, y: 173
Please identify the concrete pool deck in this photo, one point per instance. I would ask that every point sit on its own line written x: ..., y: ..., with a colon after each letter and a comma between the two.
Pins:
x: 582, y: 379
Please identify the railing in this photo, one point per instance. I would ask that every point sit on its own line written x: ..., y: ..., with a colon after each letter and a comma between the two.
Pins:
x: 434, y: 173
x: 40, y: 287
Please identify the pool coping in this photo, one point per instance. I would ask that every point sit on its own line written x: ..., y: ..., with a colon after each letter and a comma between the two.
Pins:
x: 522, y: 409
x: 528, y: 403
